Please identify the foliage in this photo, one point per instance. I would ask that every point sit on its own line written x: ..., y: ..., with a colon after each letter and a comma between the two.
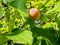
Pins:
x: 18, y: 28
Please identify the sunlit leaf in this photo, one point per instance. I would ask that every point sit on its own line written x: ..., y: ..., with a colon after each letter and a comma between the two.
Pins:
x: 57, y: 7
x: 20, y: 36
x: 20, y: 5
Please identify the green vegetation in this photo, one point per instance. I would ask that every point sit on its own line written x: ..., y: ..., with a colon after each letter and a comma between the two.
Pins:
x: 29, y: 22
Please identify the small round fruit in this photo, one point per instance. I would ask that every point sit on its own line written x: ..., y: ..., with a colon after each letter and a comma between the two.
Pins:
x: 34, y: 13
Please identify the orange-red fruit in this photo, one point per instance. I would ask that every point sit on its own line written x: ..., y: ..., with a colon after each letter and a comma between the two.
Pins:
x: 33, y: 12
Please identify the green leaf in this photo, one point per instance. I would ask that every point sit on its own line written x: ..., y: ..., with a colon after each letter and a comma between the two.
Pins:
x: 27, y: 0
x: 43, y: 18
x: 11, y: 23
x: 48, y: 3
x: 21, y: 36
x: 47, y: 25
x: 9, y: 19
x: 57, y: 7
x: 7, y: 15
x: 20, y: 5
x: 58, y: 22
x: 4, y: 1
x: 3, y: 39
x: 0, y: 1
x: 30, y: 22
x: 37, y: 41
x: 43, y: 42
x: 46, y: 33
